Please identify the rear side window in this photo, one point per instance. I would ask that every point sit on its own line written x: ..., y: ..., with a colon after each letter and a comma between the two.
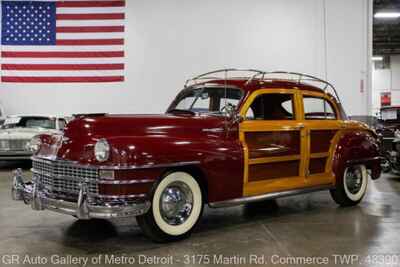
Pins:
x: 316, y: 108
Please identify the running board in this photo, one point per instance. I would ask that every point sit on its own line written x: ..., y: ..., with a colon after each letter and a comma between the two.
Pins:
x: 244, y: 200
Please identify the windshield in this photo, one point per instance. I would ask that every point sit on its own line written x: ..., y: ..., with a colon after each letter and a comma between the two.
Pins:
x: 208, y: 100
x: 29, y: 122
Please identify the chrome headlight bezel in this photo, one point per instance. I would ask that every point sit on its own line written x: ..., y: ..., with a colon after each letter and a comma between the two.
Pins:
x: 102, y: 150
x: 34, y: 144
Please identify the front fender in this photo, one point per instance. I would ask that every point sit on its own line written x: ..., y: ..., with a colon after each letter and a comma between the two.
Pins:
x: 141, y: 151
x: 220, y: 160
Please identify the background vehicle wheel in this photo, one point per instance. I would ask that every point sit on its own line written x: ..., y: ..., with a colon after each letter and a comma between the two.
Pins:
x: 177, y: 205
x: 351, y: 187
x: 386, y: 165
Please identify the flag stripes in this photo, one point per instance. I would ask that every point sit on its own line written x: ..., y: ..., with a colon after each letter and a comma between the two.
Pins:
x: 90, y: 29
x: 88, y: 45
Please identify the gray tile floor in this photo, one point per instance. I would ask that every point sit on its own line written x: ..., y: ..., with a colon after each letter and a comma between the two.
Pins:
x: 277, y: 232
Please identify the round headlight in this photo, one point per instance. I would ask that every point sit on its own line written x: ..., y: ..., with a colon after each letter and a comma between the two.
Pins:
x: 35, y: 144
x: 102, y: 150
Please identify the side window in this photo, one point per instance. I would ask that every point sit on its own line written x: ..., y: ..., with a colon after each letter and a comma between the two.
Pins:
x: 316, y: 108
x: 61, y: 124
x: 272, y: 107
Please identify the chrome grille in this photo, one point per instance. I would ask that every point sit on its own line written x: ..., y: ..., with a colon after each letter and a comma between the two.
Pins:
x: 13, y: 145
x: 64, y: 179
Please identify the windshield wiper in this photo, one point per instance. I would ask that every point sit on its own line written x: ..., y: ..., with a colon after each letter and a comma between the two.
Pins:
x: 182, y: 111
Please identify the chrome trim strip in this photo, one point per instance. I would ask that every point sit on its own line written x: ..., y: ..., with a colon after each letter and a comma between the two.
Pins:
x: 244, y: 200
x: 49, y: 190
x: 214, y: 130
x: 176, y: 164
x: 118, y: 196
x: 105, y: 167
x: 126, y: 182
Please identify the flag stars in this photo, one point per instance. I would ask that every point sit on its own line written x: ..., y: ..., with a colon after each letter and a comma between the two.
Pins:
x: 30, y: 23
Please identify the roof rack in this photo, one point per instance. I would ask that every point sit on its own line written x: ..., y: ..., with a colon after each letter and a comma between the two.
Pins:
x: 260, y: 75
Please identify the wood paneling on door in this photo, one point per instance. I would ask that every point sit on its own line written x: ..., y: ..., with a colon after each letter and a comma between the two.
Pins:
x: 273, y: 144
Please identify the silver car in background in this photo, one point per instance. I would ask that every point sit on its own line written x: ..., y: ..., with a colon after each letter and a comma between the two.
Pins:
x: 17, y: 132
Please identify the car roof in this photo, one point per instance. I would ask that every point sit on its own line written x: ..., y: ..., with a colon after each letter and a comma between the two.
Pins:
x: 258, y: 84
x: 250, y: 80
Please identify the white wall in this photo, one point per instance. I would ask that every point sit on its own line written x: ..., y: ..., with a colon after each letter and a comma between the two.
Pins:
x: 169, y: 41
x: 386, y: 80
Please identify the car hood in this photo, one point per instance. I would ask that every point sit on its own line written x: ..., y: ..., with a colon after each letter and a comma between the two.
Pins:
x: 131, y: 135
x: 164, y: 125
x: 22, y: 133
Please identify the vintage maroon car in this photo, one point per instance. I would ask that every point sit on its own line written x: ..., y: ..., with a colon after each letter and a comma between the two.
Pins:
x: 223, y: 141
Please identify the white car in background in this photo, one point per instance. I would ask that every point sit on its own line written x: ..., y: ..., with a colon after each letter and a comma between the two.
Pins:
x: 17, y: 132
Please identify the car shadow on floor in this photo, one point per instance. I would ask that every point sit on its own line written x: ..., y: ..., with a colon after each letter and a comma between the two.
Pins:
x: 97, y: 231
x: 86, y: 234
x: 263, y: 211
x: 94, y: 230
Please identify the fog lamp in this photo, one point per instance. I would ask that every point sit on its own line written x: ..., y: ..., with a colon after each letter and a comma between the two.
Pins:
x: 107, y: 174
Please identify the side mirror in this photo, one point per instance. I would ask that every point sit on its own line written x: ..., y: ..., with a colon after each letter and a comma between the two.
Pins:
x: 237, y: 118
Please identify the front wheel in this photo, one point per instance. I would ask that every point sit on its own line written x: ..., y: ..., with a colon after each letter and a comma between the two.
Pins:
x: 177, y: 205
x: 351, y: 187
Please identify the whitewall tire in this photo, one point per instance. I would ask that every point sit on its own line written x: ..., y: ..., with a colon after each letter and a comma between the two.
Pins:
x: 352, y: 186
x: 177, y: 205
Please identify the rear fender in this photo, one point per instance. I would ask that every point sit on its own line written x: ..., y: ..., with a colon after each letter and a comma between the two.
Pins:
x: 356, y: 147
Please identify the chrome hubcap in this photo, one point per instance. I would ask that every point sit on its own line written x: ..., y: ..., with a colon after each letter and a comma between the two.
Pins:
x: 354, y: 179
x: 385, y: 164
x: 176, y: 203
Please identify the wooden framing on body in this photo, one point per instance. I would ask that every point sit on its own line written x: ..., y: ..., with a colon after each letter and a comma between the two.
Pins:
x: 304, y: 127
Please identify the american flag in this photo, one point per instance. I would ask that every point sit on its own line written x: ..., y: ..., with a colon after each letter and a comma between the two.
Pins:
x: 62, y: 41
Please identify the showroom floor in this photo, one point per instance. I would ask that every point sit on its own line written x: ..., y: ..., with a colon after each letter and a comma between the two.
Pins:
x: 309, y: 225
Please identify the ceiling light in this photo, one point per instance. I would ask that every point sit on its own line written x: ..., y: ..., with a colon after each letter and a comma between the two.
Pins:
x: 377, y: 58
x: 387, y: 15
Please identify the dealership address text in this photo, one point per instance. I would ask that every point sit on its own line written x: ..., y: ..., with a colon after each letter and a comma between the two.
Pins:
x: 201, y: 259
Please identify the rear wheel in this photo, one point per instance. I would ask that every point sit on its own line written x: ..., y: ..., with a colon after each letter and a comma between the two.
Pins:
x: 177, y: 205
x: 351, y: 187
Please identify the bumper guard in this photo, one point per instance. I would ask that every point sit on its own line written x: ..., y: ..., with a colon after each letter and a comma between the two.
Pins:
x: 31, y: 194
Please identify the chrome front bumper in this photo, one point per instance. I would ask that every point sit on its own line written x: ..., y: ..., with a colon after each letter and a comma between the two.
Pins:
x: 30, y: 193
x: 15, y: 155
